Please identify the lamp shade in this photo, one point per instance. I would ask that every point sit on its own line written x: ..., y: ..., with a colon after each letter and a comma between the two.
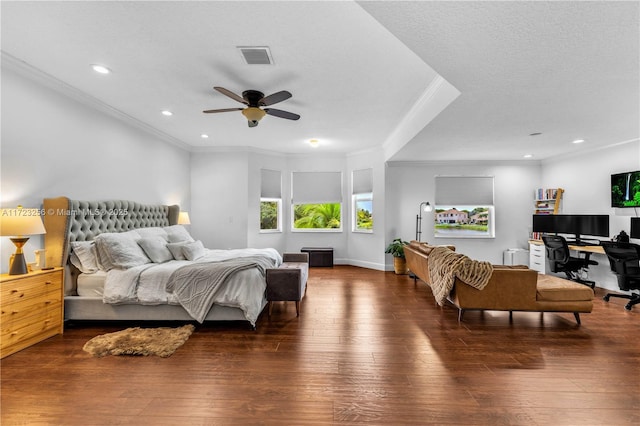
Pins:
x: 18, y: 222
x: 183, y: 218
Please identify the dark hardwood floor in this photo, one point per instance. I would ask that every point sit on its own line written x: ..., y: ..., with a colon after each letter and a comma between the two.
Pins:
x: 369, y: 347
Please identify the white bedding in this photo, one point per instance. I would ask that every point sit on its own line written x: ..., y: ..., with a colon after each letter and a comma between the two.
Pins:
x: 91, y: 285
x: 146, y: 284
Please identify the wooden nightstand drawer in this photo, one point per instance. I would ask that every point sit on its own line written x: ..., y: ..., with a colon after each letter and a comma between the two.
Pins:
x: 37, y: 326
x: 27, y: 307
x: 31, y: 308
x: 16, y: 290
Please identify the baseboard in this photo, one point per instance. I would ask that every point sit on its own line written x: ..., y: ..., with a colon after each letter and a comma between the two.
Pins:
x: 364, y: 264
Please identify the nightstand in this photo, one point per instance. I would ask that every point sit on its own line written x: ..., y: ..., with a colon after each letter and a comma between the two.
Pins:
x: 32, y: 309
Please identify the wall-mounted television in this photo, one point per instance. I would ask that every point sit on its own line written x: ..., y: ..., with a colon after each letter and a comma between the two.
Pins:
x: 625, y: 189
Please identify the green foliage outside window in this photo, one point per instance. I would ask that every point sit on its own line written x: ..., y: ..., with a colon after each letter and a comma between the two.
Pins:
x: 364, y: 220
x: 269, y: 215
x: 317, y: 216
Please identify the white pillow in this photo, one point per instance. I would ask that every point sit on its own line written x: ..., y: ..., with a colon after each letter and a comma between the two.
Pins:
x: 156, y: 249
x: 177, y: 234
x: 176, y: 250
x: 84, y: 256
x: 194, y: 250
x: 152, y: 232
x: 120, y: 250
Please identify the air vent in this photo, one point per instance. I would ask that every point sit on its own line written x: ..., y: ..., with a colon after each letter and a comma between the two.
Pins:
x: 256, y: 55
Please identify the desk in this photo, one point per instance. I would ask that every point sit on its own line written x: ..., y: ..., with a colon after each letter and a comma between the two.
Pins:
x: 586, y: 249
x: 538, y: 258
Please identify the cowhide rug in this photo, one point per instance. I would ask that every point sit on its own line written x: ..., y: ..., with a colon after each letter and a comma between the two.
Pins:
x: 161, y: 341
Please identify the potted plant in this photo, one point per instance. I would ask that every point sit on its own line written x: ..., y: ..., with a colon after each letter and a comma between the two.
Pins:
x: 396, y: 249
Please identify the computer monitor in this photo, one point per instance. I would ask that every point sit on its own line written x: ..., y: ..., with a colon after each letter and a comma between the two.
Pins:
x: 544, y: 223
x: 596, y: 225
x: 635, y: 227
x: 579, y: 225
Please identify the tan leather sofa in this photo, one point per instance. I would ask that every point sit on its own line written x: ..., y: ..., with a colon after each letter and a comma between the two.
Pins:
x: 510, y: 288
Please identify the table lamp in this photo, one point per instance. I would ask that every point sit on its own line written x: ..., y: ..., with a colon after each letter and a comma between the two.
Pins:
x: 17, y: 223
x: 183, y: 218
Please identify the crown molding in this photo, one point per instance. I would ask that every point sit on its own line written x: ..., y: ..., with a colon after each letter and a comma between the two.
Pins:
x: 520, y: 163
x: 47, y: 80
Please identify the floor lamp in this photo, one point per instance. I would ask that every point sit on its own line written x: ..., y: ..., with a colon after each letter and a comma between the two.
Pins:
x: 426, y: 207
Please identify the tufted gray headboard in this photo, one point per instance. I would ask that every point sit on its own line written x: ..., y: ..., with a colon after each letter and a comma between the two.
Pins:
x: 71, y: 220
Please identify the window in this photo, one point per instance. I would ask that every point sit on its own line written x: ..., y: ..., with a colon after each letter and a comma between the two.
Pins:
x: 316, y: 204
x: 363, y: 212
x: 270, y: 214
x: 464, y: 207
x: 326, y: 216
x: 270, y: 201
x: 362, y: 197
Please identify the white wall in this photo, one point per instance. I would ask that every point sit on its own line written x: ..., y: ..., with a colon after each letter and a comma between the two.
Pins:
x: 364, y: 249
x: 220, y: 199
x: 53, y: 145
x: 409, y: 184
x: 586, y: 179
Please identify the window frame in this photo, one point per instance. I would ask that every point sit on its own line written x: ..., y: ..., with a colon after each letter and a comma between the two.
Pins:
x: 278, y: 201
x: 354, y: 216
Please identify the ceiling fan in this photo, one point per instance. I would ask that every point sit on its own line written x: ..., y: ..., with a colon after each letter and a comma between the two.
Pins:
x: 254, y: 100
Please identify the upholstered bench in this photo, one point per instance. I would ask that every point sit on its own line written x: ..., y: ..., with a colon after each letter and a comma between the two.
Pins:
x: 288, y: 283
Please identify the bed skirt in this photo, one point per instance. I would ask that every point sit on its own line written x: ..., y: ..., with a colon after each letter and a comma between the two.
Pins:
x: 91, y: 308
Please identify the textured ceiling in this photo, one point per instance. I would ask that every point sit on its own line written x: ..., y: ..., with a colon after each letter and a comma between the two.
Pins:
x: 356, y: 71
x: 569, y: 70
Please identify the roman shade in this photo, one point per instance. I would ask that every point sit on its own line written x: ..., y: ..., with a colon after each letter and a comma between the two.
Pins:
x: 362, y: 181
x: 316, y: 187
x: 271, y: 185
x: 464, y: 190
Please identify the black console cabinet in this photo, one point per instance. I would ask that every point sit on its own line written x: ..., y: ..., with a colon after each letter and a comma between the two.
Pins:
x: 319, y: 256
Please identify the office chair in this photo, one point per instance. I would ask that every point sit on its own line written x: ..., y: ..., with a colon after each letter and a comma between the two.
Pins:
x: 624, y: 259
x: 560, y: 259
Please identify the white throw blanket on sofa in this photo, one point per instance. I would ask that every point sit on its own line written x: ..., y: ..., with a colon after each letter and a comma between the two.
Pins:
x: 445, y: 265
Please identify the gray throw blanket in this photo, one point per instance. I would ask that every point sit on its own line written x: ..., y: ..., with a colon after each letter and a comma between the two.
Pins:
x: 198, y: 286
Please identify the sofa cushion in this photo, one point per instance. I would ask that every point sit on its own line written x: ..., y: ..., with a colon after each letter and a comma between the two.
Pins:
x: 560, y: 290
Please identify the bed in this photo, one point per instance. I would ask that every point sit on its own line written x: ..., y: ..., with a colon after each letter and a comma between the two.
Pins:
x: 130, y: 261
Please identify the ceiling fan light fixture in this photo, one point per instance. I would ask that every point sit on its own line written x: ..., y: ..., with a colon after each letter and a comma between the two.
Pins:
x: 253, y: 113
x: 314, y: 143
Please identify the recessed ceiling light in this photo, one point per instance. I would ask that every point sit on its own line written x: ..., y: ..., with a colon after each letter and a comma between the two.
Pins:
x: 204, y: 136
x: 528, y: 156
x: 101, y: 69
x: 167, y: 113
x: 314, y: 142
x: 578, y: 141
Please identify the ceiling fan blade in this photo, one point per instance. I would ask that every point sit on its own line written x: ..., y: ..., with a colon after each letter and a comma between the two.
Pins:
x: 208, y: 111
x: 282, y: 114
x: 275, y: 98
x: 232, y: 95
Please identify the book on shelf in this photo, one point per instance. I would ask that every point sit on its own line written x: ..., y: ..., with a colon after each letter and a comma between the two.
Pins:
x: 546, y: 194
